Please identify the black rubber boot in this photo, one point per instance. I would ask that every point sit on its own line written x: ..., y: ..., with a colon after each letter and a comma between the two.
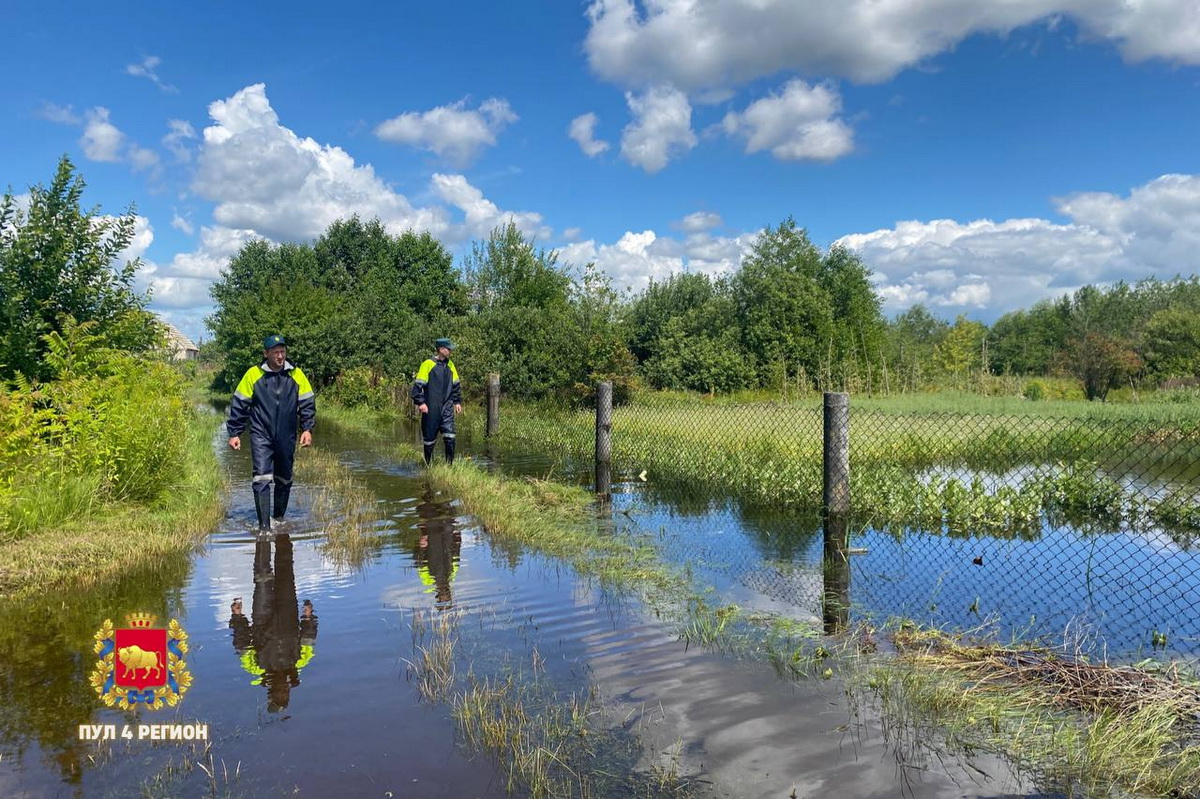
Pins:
x: 428, y: 454
x: 262, y: 505
x: 282, y: 493
x: 449, y: 444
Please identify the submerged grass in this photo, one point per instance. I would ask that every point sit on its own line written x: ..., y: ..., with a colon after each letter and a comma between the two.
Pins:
x: 346, y: 510
x: 1058, y: 717
x: 114, y: 539
x: 548, y: 742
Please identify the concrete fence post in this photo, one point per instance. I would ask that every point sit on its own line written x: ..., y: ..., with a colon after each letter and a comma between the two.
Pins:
x: 604, y: 439
x: 836, y: 498
x: 835, y: 503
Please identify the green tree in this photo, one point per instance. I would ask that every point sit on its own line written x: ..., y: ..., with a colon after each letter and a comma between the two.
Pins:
x: 785, y: 312
x: 508, y: 271
x: 961, y: 351
x: 648, y: 313
x: 1101, y: 362
x: 58, y: 266
x: 1172, y: 343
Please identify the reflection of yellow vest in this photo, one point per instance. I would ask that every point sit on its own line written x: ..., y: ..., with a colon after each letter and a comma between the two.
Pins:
x: 430, y: 581
x: 251, y: 667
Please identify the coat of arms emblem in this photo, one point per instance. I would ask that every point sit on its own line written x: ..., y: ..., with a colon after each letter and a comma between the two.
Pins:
x: 141, y: 664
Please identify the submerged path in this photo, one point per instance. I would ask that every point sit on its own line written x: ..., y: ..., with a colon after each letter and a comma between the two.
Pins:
x: 346, y: 718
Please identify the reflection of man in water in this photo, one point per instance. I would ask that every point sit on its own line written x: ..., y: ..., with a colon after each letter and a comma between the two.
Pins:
x: 278, y: 643
x: 438, y: 548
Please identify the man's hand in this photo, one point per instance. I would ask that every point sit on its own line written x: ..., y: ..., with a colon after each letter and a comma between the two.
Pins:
x: 306, y: 438
x: 423, y: 408
x: 235, y: 443
x: 457, y: 409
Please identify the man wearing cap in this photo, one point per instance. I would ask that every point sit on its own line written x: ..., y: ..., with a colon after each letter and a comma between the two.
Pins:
x: 438, y: 397
x: 276, y: 398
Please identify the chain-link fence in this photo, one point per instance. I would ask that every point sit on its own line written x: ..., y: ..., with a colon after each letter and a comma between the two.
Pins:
x: 1030, y: 523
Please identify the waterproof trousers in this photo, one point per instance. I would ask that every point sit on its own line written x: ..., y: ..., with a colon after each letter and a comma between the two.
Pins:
x: 272, y: 468
x: 438, y: 420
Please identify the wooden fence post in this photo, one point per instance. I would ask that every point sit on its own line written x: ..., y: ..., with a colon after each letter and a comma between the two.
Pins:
x: 836, y: 499
x: 493, y: 404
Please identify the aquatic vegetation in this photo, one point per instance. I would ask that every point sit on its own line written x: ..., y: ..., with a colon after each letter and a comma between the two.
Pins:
x: 1052, y: 712
x: 345, y: 510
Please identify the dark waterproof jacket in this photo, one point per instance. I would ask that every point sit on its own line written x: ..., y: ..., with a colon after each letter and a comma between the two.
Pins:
x: 436, y: 384
x: 274, y: 403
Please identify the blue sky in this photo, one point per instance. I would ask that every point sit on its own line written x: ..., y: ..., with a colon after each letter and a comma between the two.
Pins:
x: 979, y: 156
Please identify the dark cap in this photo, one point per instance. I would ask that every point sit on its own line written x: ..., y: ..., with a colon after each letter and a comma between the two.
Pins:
x: 274, y: 341
x: 444, y: 342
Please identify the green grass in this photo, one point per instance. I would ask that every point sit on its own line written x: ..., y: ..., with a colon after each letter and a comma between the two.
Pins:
x: 110, y: 539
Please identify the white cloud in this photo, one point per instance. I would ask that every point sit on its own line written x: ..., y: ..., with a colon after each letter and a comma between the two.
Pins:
x: 698, y: 221
x: 61, y: 114
x: 179, y: 132
x: 148, y: 68
x: 263, y: 177
x: 583, y: 132
x: 797, y: 124
x: 142, y: 159
x: 481, y: 214
x: 102, y: 140
x: 699, y: 44
x: 185, y: 281
x: 1154, y: 231
x: 453, y: 132
x: 636, y: 258
x: 661, y: 128
x: 182, y: 224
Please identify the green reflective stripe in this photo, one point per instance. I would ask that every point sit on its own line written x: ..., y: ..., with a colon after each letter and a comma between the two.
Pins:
x: 453, y: 371
x: 422, y: 374
x: 250, y: 664
x: 306, y: 389
x: 245, y: 389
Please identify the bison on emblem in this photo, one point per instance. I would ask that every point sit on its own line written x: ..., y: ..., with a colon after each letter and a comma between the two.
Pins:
x: 134, y: 658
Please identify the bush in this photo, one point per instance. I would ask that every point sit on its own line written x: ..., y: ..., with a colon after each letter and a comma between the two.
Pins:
x: 110, y: 428
x: 1035, y: 390
x: 361, y: 387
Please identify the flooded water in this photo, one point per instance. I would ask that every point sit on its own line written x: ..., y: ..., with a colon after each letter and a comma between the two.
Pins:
x: 301, y: 668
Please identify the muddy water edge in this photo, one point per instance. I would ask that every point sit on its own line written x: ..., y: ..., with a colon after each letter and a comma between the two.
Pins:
x: 358, y: 695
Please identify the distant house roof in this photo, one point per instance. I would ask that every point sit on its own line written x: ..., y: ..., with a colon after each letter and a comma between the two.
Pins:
x: 178, y: 343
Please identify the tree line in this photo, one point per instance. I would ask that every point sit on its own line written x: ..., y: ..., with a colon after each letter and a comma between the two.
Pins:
x: 363, y: 304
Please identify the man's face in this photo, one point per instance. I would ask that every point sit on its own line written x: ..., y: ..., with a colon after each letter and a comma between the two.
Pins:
x: 443, y: 352
x: 276, y: 356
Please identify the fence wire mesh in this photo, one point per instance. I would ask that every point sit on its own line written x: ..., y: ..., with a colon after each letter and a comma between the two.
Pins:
x: 1028, y: 524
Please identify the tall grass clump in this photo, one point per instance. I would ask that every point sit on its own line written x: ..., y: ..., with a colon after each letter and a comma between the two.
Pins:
x: 345, y: 509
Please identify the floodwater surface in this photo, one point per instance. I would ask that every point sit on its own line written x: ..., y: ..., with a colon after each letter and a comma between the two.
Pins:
x: 303, y: 669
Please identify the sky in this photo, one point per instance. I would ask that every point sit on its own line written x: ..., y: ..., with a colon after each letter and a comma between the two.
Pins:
x: 978, y: 156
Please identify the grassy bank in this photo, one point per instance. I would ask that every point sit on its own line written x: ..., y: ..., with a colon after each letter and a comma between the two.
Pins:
x: 554, y: 520
x: 110, y: 539
x: 1047, y: 712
